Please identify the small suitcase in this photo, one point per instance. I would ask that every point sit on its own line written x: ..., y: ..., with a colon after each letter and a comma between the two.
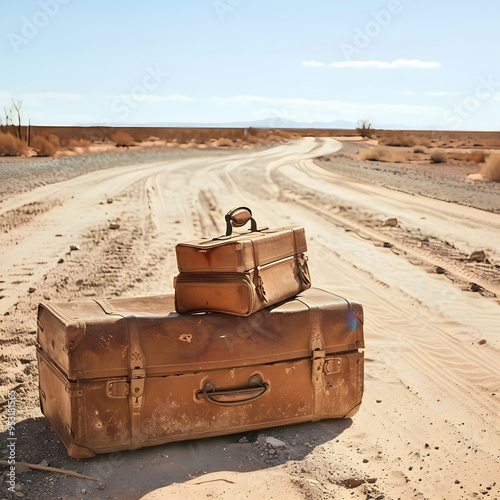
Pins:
x: 124, y: 374
x: 241, y: 273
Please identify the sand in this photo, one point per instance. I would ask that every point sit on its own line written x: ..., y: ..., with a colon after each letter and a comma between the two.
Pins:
x: 428, y: 426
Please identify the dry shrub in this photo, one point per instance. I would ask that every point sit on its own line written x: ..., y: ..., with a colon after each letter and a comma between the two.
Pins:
x: 382, y: 154
x: 491, y: 169
x: 438, y: 157
x: 420, y: 149
x: 43, y: 146
x: 54, y: 139
x: 122, y: 139
x: 477, y: 157
x: 11, y: 145
x: 401, y: 140
x: 224, y: 141
x: 423, y: 141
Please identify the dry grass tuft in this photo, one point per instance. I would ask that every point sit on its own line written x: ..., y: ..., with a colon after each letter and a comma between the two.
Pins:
x: 224, y: 141
x: 438, y: 157
x: 122, y: 139
x: 491, y: 169
x: 54, y: 139
x: 11, y: 145
x: 477, y: 157
x: 381, y: 153
x: 400, y: 140
x: 43, y: 147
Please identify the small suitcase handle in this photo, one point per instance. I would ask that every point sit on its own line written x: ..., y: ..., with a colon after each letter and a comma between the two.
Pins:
x: 238, y: 217
x: 256, y: 389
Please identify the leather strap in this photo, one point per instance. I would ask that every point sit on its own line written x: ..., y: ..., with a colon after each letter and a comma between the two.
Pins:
x: 105, y: 306
x: 137, y: 377
x: 317, y: 347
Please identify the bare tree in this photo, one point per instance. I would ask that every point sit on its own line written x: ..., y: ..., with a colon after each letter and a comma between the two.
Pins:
x: 17, y: 108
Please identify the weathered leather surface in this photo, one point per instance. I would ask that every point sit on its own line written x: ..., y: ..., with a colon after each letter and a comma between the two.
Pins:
x: 243, y: 273
x: 127, y: 373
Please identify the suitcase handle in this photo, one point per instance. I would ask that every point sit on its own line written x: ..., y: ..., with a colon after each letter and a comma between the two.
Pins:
x: 232, y: 397
x: 238, y: 217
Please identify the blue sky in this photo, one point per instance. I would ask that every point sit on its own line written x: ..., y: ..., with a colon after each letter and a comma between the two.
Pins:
x: 415, y: 63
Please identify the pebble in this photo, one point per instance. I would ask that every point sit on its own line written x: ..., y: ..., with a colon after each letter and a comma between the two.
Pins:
x: 392, y: 222
x: 243, y: 440
x: 477, y: 256
x: 60, y: 261
x: 19, y: 494
x: 482, y: 342
x: 365, y: 460
x: 74, y: 247
x: 44, y: 463
x: 84, y: 491
x: 379, y: 400
x: 275, y: 442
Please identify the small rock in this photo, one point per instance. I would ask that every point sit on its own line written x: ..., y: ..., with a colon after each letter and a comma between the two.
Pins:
x: 477, y: 256
x: 18, y: 487
x: 114, y: 225
x: 475, y: 287
x: 19, y: 494
x: 365, y: 460
x: 243, y: 440
x: 352, y: 483
x: 371, y: 480
x: 392, y: 222
x: 84, y: 491
x: 379, y: 400
x: 31, y: 290
x: 72, y: 248
x: 109, y: 200
x: 387, y: 244
x: 440, y: 270
x: 44, y: 463
x: 60, y: 261
x: 58, y: 235
x: 275, y: 442
x: 482, y: 342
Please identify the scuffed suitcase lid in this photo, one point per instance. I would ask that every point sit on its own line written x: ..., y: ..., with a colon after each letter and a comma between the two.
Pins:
x: 89, y: 340
x: 241, y: 251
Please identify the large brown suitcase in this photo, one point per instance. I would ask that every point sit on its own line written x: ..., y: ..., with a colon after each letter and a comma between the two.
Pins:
x: 125, y: 374
x: 241, y: 273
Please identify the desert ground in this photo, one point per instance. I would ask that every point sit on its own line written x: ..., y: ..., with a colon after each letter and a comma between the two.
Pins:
x: 398, y: 237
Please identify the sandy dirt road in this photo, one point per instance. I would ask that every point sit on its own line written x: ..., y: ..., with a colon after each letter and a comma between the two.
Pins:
x: 429, y: 423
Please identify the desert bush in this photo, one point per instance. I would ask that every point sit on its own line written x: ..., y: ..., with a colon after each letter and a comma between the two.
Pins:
x: 54, y: 139
x: 364, y: 128
x: 11, y: 145
x: 400, y: 140
x: 491, y: 168
x: 420, y: 149
x: 122, y: 139
x: 382, y: 154
x: 438, y: 157
x: 43, y: 146
x: 224, y: 141
x: 477, y: 157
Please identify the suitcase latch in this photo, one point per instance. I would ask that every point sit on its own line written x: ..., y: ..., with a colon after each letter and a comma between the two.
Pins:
x: 118, y: 389
x: 332, y: 365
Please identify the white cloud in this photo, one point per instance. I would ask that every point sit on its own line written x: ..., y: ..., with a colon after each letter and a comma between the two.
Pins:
x: 343, y: 108
x: 396, y: 64
x: 407, y: 92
